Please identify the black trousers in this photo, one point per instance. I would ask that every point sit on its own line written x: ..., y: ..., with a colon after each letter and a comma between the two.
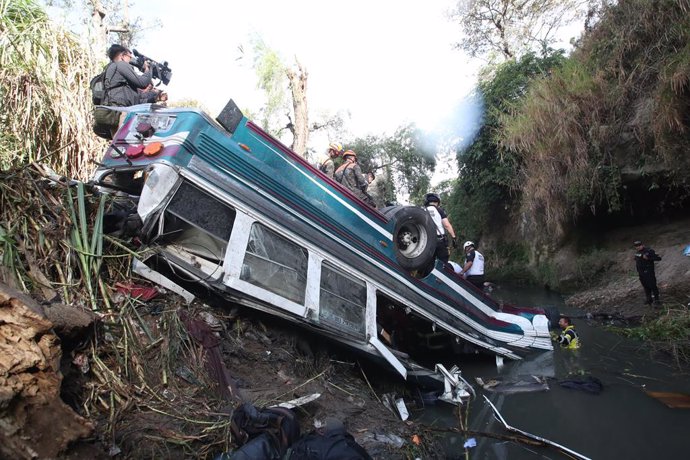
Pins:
x: 648, y: 281
x: 442, y: 252
x: 477, y: 280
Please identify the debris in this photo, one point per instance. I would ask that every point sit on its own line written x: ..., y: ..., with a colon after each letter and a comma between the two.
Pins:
x: 137, y: 291
x: 500, y: 418
x: 82, y: 362
x: 299, y: 401
x: 586, y: 383
x: 416, y: 440
x: 471, y: 442
x: 391, y: 439
x: 142, y: 270
x: 526, y: 384
x: 672, y: 400
x: 402, y: 409
x: 456, y: 388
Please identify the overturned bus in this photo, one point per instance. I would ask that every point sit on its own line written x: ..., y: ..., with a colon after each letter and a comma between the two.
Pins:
x: 226, y: 205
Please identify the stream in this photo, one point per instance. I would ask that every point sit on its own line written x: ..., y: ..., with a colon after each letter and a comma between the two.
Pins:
x: 620, y: 422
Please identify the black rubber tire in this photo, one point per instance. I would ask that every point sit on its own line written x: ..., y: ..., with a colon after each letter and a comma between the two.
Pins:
x: 414, y: 236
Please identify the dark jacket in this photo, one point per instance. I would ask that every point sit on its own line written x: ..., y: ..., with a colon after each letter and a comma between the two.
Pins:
x: 122, y: 84
x: 644, y: 260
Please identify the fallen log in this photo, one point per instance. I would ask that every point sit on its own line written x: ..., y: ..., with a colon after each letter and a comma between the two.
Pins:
x: 34, y: 421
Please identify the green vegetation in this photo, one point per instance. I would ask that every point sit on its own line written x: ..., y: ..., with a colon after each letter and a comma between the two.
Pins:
x: 620, y: 101
x: 403, y: 158
x: 669, y: 333
x: 598, y: 136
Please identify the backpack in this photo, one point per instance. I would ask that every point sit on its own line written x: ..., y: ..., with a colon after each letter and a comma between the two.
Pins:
x: 98, y: 89
x: 105, y: 120
x: 336, y: 444
x: 272, y: 429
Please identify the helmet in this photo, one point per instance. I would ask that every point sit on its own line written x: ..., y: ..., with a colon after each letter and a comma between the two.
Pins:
x: 467, y: 244
x: 350, y: 153
x: 431, y: 198
x: 335, y: 146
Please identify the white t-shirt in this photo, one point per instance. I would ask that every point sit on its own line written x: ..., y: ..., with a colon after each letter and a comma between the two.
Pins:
x: 477, y: 267
x: 438, y: 220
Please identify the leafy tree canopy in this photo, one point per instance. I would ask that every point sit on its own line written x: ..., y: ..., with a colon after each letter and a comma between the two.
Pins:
x: 482, y: 193
x: 511, y: 28
x: 403, y: 158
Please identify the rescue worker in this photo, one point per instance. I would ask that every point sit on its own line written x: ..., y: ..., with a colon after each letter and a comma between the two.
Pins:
x: 644, y: 262
x: 432, y: 204
x: 568, y: 338
x: 327, y: 161
x: 350, y: 175
x: 473, y: 270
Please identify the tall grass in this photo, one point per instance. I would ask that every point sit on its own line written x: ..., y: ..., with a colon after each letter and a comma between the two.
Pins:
x: 45, y: 105
x: 621, y: 101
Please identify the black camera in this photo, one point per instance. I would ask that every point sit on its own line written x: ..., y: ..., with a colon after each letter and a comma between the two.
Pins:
x: 158, y: 71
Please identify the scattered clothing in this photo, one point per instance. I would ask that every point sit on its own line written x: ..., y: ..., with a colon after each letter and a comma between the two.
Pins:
x: 587, y: 384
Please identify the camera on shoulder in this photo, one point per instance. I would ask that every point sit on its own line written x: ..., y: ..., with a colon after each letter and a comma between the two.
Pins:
x: 158, y: 71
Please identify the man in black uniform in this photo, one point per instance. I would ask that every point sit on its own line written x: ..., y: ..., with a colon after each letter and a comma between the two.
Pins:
x: 644, y: 262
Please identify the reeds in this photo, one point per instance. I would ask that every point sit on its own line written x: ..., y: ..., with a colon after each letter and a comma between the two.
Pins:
x: 45, y: 104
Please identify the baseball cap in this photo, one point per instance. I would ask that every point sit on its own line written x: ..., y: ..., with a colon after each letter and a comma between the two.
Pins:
x: 637, y: 243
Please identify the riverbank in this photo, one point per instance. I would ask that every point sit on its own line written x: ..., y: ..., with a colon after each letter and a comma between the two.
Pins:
x: 614, y: 286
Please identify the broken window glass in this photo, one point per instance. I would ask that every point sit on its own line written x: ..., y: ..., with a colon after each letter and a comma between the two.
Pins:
x: 343, y: 301
x: 275, y: 263
x: 198, y: 223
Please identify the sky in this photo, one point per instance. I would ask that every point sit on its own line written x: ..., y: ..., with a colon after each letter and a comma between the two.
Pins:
x: 385, y: 62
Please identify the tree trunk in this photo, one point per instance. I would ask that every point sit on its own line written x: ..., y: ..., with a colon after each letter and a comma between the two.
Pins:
x: 98, y: 39
x: 34, y: 422
x: 300, y: 127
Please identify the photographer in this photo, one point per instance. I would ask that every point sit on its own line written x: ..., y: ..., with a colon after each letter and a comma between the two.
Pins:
x: 121, y: 79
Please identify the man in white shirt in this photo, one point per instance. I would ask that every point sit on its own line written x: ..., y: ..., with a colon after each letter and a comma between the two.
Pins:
x: 432, y: 204
x: 473, y: 270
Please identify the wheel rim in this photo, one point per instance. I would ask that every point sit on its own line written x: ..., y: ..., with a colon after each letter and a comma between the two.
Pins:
x: 412, y: 240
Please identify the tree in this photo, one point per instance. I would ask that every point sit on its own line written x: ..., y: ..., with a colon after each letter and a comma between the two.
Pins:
x: 298, y: 89
x: 402, y: 158
x: 274, y: 77
x: 482, y: 194
x: 514, y: 27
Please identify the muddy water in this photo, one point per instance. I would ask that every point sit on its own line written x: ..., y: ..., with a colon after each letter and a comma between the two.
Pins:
x: 622, y: 422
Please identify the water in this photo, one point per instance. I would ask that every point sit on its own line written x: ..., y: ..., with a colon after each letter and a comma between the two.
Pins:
x: 622, y: 422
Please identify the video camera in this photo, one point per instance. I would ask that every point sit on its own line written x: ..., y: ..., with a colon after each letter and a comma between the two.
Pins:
x: 159, y: 71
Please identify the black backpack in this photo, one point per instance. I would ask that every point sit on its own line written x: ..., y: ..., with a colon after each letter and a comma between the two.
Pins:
x: 263, y: 433
x: 98, y: 89
x: 336, y: 444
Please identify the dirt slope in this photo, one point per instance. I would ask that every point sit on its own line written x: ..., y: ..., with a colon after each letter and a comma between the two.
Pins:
x: 619, y: 290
